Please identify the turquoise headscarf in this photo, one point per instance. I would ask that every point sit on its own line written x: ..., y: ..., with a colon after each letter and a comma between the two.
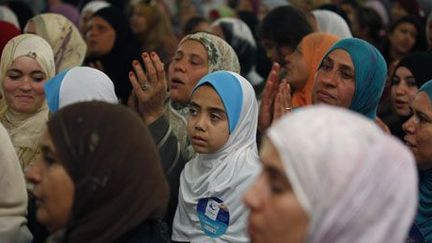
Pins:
x: 370, y: 74
x: 229, y: 90
x: 423, y: 219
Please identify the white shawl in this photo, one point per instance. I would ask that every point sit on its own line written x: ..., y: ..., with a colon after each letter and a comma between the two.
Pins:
x: 355, y: 183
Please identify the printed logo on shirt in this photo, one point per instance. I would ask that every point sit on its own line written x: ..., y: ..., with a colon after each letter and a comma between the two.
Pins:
x: 213, y: 215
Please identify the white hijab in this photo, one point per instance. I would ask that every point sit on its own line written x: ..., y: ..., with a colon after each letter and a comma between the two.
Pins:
x: 332, y: 23
x: 355, y: 183
x: 77, y: 85
x: 13, y: 199
x: 225, y: 174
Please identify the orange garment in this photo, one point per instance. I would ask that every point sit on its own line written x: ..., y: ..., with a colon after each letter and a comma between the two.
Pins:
x: 313, y: 46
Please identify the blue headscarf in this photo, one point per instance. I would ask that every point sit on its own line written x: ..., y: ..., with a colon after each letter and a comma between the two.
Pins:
x: 229, y: 90
x: 370, y: 74
x: 423, y: 219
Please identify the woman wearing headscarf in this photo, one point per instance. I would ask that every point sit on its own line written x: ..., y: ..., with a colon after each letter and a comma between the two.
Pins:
x: 352, y: 74
x: 93, y: 189
x: 332, y: 181
x: 303, y: 63
x: 196, y: 55
x: 13, y: 202
x: 87, y: 11
x: 410, y: 74
x: 26, y: 63
x: 9, y: 16
x: 239, y: 36
x: 111, y: 48
x: 65, y: 39
x: 419, y: 139
x: 330, y: 22
x: 77, y: 85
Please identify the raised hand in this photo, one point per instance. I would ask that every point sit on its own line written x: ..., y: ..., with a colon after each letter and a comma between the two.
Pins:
x: 149, y: 88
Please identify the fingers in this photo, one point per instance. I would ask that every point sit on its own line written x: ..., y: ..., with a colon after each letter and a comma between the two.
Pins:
x: 160, y: 70
x: 140, y: 75
x: 150, y: 67
x: 282, y: 103
x: 135, y: 83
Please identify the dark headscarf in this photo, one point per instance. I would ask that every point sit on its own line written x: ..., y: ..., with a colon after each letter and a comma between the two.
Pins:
x: 117, y: 63
x: 419, y: 64
x: 118, y: 185
x: 8, y: 31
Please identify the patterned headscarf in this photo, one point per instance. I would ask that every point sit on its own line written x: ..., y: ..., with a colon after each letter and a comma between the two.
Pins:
x: 370, y: 72
x: 221, y: 56
x: 65, y: 39
x: 342, y: 169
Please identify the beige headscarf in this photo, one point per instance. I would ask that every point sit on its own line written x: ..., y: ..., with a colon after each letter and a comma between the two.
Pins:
x: 13, y: 199
x: 65, y: 39
x: 25, y: 129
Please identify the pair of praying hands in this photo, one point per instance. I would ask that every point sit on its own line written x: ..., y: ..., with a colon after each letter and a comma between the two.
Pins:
x: 149, y: 87
x: 275, y: 100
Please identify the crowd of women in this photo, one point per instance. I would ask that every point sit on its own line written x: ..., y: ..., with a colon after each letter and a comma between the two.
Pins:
x: 216, y: 121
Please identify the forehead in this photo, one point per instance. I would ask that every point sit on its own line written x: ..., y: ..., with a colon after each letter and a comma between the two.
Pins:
x: 422, y: 103
x: 99, y: 21
x: 270, y: 156
x: 25, y: 63
x: 341, y: 57
x: 205, y: 93
x: 401, y: 70
x: 193, y: 47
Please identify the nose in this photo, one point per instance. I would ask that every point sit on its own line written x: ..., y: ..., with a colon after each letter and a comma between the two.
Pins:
x: 254, y: 196
x: 200, y: 123
x: 25, y: 85
x: 409, y: 126
x: 32, y: 174
x: 179, y: 65
x: 400, y: 88
x: 327, y: 78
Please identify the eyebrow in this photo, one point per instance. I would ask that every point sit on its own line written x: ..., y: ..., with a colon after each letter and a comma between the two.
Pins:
x: 275, y: 173
x: 19, y: 71
x: 211, y: 109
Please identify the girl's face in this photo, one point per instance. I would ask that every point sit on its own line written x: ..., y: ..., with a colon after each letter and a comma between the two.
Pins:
x: 100, y: 37
x: 53, y: 188
x: 189, y: 65
x: 403, y: 38
x: 207, y: 123
x: 403, y: 91
x: 275, y: 213
x: 23, y: 85
x: 418, y: 131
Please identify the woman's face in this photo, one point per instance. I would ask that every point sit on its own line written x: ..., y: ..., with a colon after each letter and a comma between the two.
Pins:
x: 418, y: 131
x: 189, y: 65
x: 403, y: 38
x: 403, y: 91
x: 335, y: 80
x: 297, y: 71
x: 23, y: 85
x: 53, y: 187
x: 138, y: 21
x: 275, y: 213
x: 100, y: 37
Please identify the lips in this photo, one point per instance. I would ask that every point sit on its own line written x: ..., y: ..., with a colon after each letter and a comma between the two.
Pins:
x: 399, y: 104
x: 198, y: 141
x: 325, y: 96
x: 175, y: 83
x: 409, y: 143
x: 24, y: 97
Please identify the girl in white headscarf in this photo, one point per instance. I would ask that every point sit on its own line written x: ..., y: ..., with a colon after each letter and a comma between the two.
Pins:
x: 25, y: 119
x: 332, y: 176
x: 211, y: 184
x: 77, y: 85
x: 13, y: 200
